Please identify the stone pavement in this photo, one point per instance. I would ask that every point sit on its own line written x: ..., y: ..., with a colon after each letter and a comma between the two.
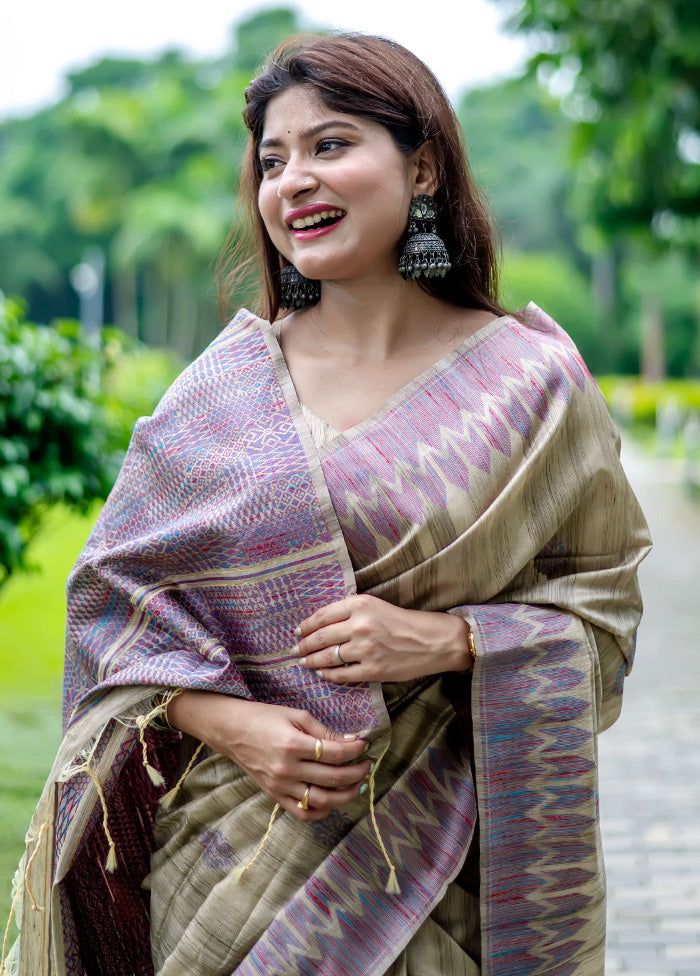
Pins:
x: 650, y: 759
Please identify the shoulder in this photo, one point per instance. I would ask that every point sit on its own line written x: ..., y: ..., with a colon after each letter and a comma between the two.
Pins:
x: 239, y: 344
x: 533, y: 342
x: 528, y: 361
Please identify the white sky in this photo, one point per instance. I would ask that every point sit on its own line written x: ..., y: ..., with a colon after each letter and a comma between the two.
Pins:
x: 42, y: 39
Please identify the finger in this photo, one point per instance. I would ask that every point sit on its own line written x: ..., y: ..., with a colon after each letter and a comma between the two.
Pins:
x: 323, y: 638
x: 334, y: 777
x: 354, y: 674
x: 327, y: 800
x: 291, y: 805
x: 337, y: 747
x: 331, y: 614
x: 338, y: 752
x: 337, y: 656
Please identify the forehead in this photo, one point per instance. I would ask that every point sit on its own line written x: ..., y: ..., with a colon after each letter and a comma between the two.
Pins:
x: 299, y: 108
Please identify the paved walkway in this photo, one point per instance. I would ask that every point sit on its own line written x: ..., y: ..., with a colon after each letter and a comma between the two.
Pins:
x: 650, y: 760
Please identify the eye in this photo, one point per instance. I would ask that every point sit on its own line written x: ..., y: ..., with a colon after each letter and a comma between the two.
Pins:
x: 268, y: 163
x: 328, y: 145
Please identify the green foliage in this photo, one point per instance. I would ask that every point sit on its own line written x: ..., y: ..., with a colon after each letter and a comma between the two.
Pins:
x: 64, y: 420
x: 673, y: 281
x: 556, y: 285
x: 636, y: 402
x: 630, y: 76
x: 135, y: 381
x: 141, y: 161
x: 259, y: 34
x: 517, y: 139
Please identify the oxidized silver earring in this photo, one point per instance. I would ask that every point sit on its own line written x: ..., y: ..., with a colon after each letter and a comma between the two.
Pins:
x: 297, y: 291
x: 423, y: 254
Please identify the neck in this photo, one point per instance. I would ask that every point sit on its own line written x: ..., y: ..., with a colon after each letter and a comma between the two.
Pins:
x: 375, y: 318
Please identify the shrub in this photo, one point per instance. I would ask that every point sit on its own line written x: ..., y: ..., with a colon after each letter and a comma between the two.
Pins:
x: 63, y: 430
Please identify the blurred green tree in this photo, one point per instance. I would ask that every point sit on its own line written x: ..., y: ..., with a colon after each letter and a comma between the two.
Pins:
x: 68, y: 402
x: 140, y: 160
x: 259, y: 34
x: 518, y: 143
x: 629, y: 76
x: 57, y: 442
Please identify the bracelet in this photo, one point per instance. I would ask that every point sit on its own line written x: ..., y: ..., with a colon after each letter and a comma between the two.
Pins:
x: 470, y: 643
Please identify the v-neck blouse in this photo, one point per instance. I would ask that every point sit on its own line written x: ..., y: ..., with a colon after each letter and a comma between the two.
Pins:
x: 321, y: 431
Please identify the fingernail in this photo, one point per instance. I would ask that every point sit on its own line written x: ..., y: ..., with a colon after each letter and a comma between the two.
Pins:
x: 297, y: 631
x: 363, y: 788
x: 302, y: 661
x: 371, y: 767
x: 365, y: 747
x: 351, y: 736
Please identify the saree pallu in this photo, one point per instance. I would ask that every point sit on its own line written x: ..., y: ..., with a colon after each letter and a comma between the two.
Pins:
x: 490, y: 486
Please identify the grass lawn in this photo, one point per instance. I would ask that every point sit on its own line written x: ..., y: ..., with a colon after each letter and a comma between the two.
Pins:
x: 32, y: 615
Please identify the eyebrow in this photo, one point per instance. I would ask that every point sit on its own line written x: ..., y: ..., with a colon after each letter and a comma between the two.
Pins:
x: 310, y: 133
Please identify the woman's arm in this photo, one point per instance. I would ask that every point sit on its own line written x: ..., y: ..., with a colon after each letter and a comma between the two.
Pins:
x: 363, y: 638
x: 277, y: 747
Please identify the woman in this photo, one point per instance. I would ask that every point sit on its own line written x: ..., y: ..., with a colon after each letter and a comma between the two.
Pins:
x: 375, y: 566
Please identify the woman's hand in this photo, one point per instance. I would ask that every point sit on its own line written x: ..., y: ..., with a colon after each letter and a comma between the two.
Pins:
x: 277, y: 746
x: 363, y: 638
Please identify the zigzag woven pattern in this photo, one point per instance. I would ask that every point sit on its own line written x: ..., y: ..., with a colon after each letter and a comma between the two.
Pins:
x: 144, y: 610
x: 473, y: 491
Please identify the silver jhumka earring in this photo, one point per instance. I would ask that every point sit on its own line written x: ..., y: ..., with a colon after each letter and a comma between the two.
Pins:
x: 298, y: 291
x: 423, y: 254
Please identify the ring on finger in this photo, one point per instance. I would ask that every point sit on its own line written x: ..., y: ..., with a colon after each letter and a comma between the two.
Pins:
x: 338, y: 657
x: 303, y: 804
x: 319, y: 750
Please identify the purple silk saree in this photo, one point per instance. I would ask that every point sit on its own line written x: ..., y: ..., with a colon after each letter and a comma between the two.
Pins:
x: 489, y: 486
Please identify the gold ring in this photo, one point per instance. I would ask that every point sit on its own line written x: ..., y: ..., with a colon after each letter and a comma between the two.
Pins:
x: 338, y: 657
x: 319, y: 750
x: 303, y: 804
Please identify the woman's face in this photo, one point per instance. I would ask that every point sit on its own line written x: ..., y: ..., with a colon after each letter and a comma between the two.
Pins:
x: 335, y: 189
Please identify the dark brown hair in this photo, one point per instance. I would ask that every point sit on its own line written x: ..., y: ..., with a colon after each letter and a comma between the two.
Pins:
x: 377, y: 79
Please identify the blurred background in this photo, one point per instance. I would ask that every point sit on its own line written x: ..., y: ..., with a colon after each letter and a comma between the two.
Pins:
x: 120, y: 142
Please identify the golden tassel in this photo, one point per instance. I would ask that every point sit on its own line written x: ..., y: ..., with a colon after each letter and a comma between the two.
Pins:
x: 392, y: 885
x: 142, y: 721
x: 167, y: 800
x: 238, y: 872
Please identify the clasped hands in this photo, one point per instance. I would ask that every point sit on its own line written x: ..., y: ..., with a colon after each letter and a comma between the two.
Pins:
x: 363, y: 638
x: 295, y: 760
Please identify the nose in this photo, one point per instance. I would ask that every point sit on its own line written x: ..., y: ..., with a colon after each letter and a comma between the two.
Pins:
x: 297, y: 179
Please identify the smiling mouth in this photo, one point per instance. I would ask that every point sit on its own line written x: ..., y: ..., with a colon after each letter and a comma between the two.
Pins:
x: 326, y: 218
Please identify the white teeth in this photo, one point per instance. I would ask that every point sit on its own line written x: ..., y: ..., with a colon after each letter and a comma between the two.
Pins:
x: 301, y: 223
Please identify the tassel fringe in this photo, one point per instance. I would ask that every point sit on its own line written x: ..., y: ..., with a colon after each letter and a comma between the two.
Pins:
x: 392, y: 885
x: 86, y: 767
x: 159, y: 712
x: 22, y: 882
x: 168, y: 799
x: 238, y: 872
x: 111, y: 862
x: 142, y: 722
x: 40, y: 837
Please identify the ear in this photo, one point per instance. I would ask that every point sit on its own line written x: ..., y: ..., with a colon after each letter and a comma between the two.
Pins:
x: 425, y: 169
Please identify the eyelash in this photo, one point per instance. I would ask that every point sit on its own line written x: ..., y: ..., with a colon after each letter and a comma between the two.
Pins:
x: 268, y: 163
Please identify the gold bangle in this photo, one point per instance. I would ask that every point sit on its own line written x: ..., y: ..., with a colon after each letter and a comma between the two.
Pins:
x: 470, y: 643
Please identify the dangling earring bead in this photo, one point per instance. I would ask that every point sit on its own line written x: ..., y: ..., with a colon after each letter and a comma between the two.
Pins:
x: 423, y: 254
x: 298, y: 291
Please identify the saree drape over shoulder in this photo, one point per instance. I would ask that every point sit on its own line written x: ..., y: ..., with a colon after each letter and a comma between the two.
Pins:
x: 490, y: 486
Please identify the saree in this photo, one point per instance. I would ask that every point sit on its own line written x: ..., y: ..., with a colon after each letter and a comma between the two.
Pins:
x: 490, y: 487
